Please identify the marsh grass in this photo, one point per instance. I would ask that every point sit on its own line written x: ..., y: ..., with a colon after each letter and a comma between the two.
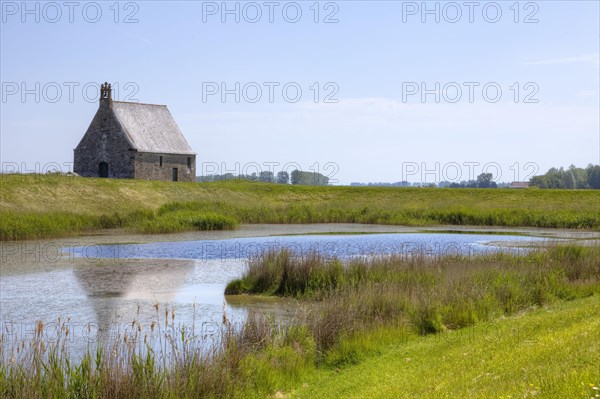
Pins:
x: 177, y: 221
x: 430, y: 293
x: 53, y: 206
x: 22, y: 226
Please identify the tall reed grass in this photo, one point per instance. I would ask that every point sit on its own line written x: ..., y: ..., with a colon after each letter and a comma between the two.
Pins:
x: 431, y: 293
x: 163, y: 361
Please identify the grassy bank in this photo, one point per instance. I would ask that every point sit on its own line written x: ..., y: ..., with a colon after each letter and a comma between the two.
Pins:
x: 371, y: 323
x: 53, y: 206
x: 549, y: 353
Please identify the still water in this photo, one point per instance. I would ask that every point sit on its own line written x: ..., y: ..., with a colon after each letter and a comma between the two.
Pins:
x: 100, y: 289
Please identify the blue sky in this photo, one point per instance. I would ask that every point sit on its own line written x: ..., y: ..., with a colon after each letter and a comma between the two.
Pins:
x: 368, y: 61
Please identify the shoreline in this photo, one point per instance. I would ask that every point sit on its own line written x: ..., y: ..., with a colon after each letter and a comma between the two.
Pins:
x: 247, y: 230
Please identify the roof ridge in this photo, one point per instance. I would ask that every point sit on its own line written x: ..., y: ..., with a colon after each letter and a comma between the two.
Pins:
x: 138, y: 103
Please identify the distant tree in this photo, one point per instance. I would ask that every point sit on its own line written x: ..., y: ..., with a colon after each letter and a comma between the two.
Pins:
x: 309, y: 178
x: 228, y: 176
x: 539, y: 181
x: 283, y: 177
x: 484, y: 180
x: 464, y: 184
x: 573, y: 177
x: 295, y: 178
x: 581, y: 178
x: 593, y: 176
x: 567, y: 180
x: 554, y: 176
x: 266, y: 176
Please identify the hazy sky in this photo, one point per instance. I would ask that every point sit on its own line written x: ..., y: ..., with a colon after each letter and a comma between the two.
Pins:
x: 372, y: 91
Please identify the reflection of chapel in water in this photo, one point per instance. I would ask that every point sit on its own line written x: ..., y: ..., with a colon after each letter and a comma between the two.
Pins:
x: 115, y: 288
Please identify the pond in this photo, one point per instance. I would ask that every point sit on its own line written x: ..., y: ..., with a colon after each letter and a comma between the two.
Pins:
x: 99, y: 287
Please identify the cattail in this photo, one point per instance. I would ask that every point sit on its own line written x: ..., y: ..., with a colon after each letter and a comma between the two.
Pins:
x: 39, y: 327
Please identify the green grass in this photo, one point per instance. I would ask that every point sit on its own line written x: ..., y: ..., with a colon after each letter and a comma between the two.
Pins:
x: 51, y: 206
x: 551, y: 353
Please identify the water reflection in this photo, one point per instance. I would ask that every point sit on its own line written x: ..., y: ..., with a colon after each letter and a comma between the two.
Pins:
x: 110, y: 286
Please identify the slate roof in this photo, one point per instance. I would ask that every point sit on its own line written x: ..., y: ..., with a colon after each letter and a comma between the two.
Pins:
x: 151, y: 128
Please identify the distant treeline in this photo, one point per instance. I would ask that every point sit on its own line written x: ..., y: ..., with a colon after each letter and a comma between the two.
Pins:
x: 296, y: 177
x: 484, y: 180
x: 569, y: 178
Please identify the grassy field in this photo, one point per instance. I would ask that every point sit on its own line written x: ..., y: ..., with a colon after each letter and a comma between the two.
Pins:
x: 34, y: 206
x: 549, y: 353
x: 490, y: 326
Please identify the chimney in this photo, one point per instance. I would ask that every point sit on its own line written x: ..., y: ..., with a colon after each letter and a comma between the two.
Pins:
x: 105, y: 95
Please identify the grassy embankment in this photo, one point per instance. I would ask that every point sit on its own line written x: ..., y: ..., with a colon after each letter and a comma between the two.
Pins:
x: 54, y: 206
x: 548, y: 353
x: 486, y: 326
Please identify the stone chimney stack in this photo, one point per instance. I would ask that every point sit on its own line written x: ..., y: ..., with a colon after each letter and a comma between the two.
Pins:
x: 105, y: 95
